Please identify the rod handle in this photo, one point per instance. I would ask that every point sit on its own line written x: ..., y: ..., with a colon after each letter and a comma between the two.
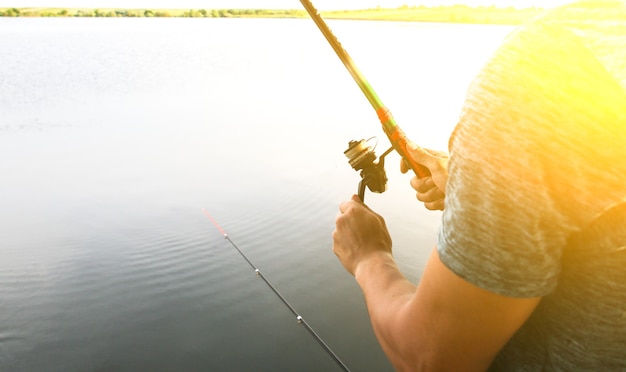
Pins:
x: 400, y: 143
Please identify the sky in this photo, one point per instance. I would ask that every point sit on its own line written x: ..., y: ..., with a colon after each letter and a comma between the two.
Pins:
x: 266, y: 4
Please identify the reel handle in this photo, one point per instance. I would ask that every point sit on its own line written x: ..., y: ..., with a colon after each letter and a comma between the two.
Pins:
x: 361, y: 192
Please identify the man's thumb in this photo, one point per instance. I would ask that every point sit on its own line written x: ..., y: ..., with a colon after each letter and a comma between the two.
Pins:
x: 419, y: 154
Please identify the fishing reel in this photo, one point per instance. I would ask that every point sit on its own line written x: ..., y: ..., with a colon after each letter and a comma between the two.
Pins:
x: 362, y: 158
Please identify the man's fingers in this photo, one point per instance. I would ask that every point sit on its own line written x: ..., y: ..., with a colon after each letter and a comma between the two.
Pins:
x: 404, y: 167
x: 422, y: 184
x: 431, y: 195
x: 419, y: 154
x: 435, y: 206
x: 344, y: 206
x: 347, y: 205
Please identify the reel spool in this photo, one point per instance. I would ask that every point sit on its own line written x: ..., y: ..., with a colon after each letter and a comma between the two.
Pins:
x: 361, y: 157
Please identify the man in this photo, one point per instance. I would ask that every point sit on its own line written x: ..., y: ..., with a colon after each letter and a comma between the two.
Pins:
x: 529, y: 271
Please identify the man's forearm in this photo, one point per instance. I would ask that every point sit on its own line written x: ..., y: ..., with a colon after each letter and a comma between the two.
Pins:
x: 387, y: 295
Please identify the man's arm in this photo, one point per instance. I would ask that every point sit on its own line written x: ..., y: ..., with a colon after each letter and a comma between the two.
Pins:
x: 445, y: 323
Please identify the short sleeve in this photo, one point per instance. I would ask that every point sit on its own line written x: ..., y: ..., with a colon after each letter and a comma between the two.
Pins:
x: 507, y: 217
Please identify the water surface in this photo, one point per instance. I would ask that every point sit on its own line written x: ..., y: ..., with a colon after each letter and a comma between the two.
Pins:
x: 115, y: 133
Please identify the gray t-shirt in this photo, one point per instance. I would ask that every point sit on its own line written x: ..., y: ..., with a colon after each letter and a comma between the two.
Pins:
x: 536, y: 199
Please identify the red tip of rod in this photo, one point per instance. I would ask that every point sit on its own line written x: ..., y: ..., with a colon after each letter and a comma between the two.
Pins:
x: 213, y: 221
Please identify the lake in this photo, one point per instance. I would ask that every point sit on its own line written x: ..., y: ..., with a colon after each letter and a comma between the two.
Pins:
x: 116, y: 133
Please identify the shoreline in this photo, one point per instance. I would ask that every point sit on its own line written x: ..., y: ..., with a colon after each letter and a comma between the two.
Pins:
x: 442, y: 14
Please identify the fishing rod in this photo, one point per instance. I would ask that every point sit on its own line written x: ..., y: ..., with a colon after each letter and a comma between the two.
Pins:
x: 361, y: 156
x: 299, y: 318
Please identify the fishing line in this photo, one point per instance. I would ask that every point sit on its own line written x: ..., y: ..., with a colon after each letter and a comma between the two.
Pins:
x: 299, y: 318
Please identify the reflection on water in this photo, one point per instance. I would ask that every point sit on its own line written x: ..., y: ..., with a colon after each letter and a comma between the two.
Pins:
x: 115, y: 133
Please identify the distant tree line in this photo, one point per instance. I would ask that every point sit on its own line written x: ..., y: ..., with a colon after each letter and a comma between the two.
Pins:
x: 191, y: 13
x: 453, y: 13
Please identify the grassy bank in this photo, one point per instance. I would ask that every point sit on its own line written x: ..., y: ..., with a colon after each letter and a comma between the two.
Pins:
x: 455, y: 14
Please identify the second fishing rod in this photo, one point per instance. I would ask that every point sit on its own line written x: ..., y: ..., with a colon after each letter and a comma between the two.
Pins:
x: 360, y: 154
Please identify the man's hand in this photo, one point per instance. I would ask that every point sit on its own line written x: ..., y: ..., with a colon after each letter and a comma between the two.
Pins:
x: 360, y: 233
x: 430, y: 190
